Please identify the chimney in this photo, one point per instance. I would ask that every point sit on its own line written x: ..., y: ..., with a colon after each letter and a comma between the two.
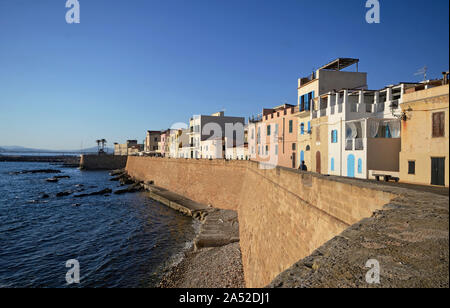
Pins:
x: 445, y: 78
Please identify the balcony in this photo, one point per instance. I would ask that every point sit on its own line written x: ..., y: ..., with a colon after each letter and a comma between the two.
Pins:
x: 380, y: 107
x: 354, y: 144
x: 359, y: 144
x: 349, y: 145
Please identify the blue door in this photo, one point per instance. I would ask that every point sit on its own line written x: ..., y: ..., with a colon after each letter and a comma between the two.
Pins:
x: 351, y: 166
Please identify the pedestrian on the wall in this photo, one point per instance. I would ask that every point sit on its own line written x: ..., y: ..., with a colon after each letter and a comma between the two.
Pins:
x: 303, y: 166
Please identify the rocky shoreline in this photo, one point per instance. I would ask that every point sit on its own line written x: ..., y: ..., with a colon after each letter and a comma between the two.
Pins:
x: 215, y: 260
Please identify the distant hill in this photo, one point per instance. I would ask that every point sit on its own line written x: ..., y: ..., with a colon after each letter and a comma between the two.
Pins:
x: 20, y: 149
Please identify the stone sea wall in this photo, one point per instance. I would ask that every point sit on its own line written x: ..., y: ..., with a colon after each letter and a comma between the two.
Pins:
x: 284, y: 215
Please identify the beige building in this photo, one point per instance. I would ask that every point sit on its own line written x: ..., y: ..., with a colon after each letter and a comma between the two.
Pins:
x: 424, y: 155
x: 152, y: 140
x: 131, y: 147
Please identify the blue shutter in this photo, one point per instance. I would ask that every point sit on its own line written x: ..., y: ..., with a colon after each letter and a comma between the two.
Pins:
x: 302, y: 156
x: 309, y: 127
x: 332, y: 164
x: 359, y: 166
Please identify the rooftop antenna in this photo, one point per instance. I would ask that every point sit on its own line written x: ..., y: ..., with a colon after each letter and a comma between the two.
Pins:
x: 422, y: 71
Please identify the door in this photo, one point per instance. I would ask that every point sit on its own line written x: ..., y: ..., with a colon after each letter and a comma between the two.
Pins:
x: 351, y: 166
x: 438, y: 171
x: 293, y: 160
x: 318, y: 166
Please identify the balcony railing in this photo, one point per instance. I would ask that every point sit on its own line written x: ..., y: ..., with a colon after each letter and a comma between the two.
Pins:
x: 359, y: 144
x: 380, y: 107
x: 354, y: 144
x: 349, y: 145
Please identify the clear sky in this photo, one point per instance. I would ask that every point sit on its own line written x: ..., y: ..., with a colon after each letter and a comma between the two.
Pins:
x: 136, y: 65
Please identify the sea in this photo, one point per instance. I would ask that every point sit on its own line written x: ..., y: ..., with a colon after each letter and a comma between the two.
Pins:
x: 124, y: 241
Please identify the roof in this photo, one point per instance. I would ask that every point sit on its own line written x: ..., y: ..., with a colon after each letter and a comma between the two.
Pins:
x: 284, y: 106
x: 339, y: 64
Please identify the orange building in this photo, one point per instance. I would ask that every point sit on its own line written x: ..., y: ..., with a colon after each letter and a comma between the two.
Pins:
x: 273, y: 136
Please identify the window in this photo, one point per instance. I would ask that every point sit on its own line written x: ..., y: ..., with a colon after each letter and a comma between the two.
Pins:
x: 290, y: 126
x: 276, y: 130
x: 267, y: 150
x: 302, y: 129
x: 293, y: 147
x: 253, y: 133
x: 268, y: 130
x: 332, y: 164
x: 156, y: 139
x: 276, y: 149
x: 334, y: 136
x: 411, y: 167
x: 360, y: 166
x: 438, y: 124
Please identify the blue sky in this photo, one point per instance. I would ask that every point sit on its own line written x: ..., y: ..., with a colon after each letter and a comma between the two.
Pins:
x: 135, y: 65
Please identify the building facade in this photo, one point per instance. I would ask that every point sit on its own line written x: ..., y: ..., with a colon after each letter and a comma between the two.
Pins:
x: 152, y: 140
x: 312, y: 133
x: 203, y: 128
x: 131, y: 147
x: 424, y: 158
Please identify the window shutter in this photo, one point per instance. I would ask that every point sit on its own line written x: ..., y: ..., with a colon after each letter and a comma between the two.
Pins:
x: 438, y: 124
x: 441, y: 124
x: 435, y: 125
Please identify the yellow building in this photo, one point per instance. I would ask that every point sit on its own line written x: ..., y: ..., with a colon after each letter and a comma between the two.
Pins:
x: 424, y: 156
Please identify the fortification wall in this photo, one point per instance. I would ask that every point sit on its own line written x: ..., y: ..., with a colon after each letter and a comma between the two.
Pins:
x: 284, y: 215
x: 102, y: 162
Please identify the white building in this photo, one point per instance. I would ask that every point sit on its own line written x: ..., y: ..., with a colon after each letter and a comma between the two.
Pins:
x: 364, y: 129
x: 216, y: 126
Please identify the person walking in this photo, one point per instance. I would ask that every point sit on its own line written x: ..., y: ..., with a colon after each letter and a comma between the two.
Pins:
x: 303, y: 166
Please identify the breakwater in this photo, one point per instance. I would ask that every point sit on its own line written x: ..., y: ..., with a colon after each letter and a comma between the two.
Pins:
x: 286, y: 215
x: 102, y: 162
x: 65, y: 160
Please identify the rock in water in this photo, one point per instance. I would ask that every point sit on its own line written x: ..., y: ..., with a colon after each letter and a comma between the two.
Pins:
x: 64, y: 193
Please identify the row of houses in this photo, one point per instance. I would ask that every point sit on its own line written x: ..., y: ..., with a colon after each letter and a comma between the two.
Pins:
x: 338, y: 127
